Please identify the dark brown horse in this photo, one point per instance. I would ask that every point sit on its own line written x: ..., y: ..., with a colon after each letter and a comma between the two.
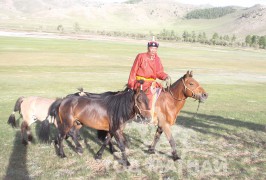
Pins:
x: 108, y: 113
x: 169, y: 104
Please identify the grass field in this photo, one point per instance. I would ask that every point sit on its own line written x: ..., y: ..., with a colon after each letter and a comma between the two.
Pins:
x: 226, y: 139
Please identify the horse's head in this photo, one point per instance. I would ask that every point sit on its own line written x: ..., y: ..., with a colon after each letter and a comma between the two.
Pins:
x: 192, y: 88
x: 142, y: 104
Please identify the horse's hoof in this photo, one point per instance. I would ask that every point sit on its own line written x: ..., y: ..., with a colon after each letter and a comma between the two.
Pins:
x: 24, y: 142
x: 127, y: 163
x: 30, y: 138
x: 113, y: 150
x: 55, y: 142
x: 79, y: 150
x: 97, y: 156
x: 62, y: 155
x: 79, y: 138
x: 176, y: 158
x: 151, y: 151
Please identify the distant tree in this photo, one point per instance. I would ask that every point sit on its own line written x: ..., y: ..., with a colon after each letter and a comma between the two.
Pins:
x: 233, y: 39
x: 76, y: 27
x: 215, y: 39
x: 248, y: 40
x: 199, y: 38
x: 204, y: 37
x: 185, y: 36
x: 254, y: 40
x: 226, y: 38
x: 193, y: 36
x: 60, y: 28
x: 172, y: 35
x: 262, y: 42
x: 133, y: 1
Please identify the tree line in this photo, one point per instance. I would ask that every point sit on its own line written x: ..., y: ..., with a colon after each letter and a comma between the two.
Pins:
x: 210, y: 13
x: 190, y: 37
x: 193, y: 37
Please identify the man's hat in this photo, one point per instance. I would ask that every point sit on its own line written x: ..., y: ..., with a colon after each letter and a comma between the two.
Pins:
x: 153, y: 43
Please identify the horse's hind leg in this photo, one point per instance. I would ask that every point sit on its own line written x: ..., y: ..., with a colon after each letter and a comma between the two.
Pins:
x: 60, y: 139
x: 106, y: 141
x: 25, y: 133
x: 74, y: 133
x: 119, y: 138
x: 171, y: 140
x: 156, y: 139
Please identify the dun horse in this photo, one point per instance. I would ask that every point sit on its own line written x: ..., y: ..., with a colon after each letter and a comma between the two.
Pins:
x: 31, y: 109
x: 169, y: 104
x: 34, y: 108
x: 109, y: 114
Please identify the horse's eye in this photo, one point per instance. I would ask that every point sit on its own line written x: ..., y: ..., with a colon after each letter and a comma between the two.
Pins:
x: 191, y: 84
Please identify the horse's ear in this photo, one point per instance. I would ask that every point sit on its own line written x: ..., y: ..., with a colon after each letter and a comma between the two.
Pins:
x: 186, y: 75
x: 80, y: 89
x: 191, y: 73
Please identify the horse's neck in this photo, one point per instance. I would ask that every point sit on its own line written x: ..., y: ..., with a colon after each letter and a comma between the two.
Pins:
x: 177, y: 91
x: 178, y: 98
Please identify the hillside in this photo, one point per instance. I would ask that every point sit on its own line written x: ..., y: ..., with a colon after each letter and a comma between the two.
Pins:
x: 145, y: 16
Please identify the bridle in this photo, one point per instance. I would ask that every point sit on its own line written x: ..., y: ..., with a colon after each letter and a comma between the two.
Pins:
x: 186, y: 88
x: 193, y: 95
x: 138, y: 108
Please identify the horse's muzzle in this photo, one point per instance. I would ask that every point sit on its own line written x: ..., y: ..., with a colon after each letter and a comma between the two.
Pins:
x: 203, y: 97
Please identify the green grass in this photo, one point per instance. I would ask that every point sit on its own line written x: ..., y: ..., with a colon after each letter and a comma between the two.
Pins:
x: 224, y: 140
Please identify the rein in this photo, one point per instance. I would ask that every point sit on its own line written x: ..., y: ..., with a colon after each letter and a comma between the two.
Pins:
x: 196, y: 111
x: 139, y: 109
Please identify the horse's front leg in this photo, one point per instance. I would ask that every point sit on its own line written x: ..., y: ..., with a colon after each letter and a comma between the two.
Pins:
x: 167, y: 131
x: 106, y: 141
x: 157, y: 136
x: 120, y: 141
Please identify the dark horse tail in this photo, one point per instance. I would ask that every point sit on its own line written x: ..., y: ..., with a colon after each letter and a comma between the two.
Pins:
x: 53, y: 109
x: 44, y: 131
x: 17, y: 107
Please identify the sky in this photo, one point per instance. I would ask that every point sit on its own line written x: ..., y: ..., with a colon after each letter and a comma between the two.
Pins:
x: 243, y: 3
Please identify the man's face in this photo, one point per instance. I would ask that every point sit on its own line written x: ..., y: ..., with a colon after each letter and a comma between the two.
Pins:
x: 152, y: 50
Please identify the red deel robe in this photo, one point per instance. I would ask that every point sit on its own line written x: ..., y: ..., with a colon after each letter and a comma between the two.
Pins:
x: 147, y: 68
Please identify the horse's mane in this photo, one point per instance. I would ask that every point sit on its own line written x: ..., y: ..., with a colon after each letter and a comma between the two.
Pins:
x: 119, y: 107
x: 177, y: 81
x: 174, y: 84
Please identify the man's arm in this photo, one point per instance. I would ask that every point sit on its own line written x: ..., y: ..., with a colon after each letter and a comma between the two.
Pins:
x: 160, y: 70
x: 133, y: 72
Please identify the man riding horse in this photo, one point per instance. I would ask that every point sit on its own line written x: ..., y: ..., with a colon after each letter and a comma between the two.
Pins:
x: 148, y: 67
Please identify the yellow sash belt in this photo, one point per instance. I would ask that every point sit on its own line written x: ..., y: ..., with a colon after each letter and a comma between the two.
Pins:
x: 143, y: 78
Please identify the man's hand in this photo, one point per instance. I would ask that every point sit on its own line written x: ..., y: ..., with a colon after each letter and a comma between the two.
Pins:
x: 168, y: 81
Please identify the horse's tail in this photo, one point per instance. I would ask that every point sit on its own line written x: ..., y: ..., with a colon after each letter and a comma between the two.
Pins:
x: 53, y: 109
x: 17, y: 107
x: 101, y: 134
x: 44, y: 131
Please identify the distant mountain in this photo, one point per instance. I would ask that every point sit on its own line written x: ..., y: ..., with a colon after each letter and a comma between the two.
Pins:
x: 135, y: 16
